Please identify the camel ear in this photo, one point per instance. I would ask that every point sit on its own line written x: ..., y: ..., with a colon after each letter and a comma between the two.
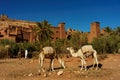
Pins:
x: 67, y: 48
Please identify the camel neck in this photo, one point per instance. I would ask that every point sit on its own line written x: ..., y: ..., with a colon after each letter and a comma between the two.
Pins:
x: 73, y: 53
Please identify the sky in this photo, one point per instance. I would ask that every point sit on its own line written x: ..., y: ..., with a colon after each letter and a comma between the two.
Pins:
x: 77, y: 14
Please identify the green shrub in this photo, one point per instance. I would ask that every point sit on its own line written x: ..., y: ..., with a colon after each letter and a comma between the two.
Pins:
x: 3, y: 52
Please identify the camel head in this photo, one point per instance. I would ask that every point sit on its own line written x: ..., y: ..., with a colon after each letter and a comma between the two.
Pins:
x: 70, y: 49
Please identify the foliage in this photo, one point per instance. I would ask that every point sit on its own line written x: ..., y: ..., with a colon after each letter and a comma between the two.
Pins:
x: 31, y: 47
x: 59, y: 45
x: 97, y: 44
x: 75, y: 40
x: 117, y: 31
x: 83, y: 39
x: 4, y: 42
x: 43, y: 33
x: 3, y: 52
x: 109, y: 43
x: 11, y: 49
x: 108, y: 30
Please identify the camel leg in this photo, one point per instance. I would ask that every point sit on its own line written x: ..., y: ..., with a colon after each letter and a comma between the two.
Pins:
x: 96, y: 63
x: 61, y: 62
x: 51, y: 64
x: 83, y: 62
x: 93, y: 63
x: 95, y: 59
x: 83, y: 65
x: 41, y: 60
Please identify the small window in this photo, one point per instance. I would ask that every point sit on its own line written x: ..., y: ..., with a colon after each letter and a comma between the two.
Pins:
x: 57, y: 31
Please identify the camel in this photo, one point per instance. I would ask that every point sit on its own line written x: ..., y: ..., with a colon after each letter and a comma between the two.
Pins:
x: 83, y: 53
x: 49, y: 52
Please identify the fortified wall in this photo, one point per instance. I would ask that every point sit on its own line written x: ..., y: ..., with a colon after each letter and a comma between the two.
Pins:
x: 20, y: 30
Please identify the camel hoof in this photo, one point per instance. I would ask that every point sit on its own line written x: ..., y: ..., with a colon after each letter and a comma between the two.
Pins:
x: 85, y: 69
x: 96, y: 68
x: 92, y: 68
x: 51, y: 70
x: 39, y: 71
x: 63, y: 67
x: 81, y: 69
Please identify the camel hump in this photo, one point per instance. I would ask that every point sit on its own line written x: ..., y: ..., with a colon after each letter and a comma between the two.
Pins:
x: 48, y: 50
x: 87, y: 48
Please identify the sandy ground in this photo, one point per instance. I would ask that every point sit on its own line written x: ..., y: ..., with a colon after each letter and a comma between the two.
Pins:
x: 27, y: 69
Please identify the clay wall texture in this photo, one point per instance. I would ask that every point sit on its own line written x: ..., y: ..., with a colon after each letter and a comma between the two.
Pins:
x: 17, y: 29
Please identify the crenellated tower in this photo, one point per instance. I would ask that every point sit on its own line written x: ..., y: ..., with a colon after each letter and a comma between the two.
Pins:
x: 94, y: 31
x: 62, y: 30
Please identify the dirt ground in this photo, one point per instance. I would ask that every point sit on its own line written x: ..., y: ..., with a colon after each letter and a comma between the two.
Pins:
x: 27, y: 69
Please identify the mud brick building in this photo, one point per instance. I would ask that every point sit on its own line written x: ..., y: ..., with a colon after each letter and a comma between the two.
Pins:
x: 94, y: 31
x: 20, y: 30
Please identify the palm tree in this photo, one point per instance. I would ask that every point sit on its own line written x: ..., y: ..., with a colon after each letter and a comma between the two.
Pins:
x: 108, y: 30
x: 118, y: 30
x: 43, y: 32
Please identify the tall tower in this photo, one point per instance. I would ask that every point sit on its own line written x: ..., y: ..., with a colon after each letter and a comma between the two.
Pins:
x: 94, y: 30
x: 62, y: 30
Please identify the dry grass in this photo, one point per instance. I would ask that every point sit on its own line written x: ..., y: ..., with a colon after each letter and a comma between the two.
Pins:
x: 27, y: 69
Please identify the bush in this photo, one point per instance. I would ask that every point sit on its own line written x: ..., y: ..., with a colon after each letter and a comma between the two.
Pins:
x: 3, y: 52
x: 35, y: 54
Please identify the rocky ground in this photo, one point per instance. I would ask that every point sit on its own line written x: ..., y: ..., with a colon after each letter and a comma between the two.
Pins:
x: 27, y: 69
